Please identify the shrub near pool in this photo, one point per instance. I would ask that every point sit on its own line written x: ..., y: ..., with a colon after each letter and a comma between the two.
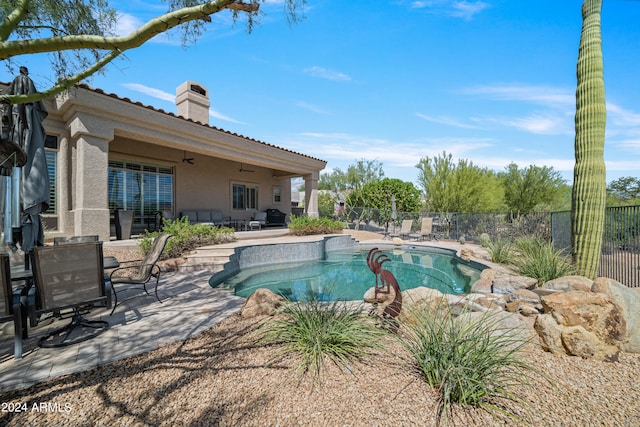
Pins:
x: 187, y: 237
x: 304, y: 225
x: 467, y: 360
x: 316, y: 332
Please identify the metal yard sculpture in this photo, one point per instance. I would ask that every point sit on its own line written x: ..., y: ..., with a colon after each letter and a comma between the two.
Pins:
x: 385, y: 280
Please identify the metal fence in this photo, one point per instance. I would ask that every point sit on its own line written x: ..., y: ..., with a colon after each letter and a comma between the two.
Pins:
x: 621, y: 241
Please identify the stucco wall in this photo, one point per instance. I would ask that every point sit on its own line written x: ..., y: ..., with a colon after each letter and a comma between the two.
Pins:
x: 206, y: 184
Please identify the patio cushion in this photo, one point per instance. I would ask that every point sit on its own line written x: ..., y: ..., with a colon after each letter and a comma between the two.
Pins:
x: 204, y: 216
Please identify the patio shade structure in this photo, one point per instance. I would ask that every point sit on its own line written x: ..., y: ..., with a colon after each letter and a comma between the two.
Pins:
x: 22, y: 126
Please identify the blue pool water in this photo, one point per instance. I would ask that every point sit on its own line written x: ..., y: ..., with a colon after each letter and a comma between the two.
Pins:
x: 346, y: 276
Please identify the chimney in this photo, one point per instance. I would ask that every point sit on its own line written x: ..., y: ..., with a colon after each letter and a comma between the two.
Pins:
x: 192, y: 100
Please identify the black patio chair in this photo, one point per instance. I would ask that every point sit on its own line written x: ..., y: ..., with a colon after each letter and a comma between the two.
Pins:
x: 68, y: 277
x: 140, y: 274
x: 75, y: 239
x: 12, y: 306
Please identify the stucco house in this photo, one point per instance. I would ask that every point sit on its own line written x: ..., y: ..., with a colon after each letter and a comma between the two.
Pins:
x: 105, y: 153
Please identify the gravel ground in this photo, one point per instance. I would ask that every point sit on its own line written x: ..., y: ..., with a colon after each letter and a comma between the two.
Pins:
x: 221, y: 378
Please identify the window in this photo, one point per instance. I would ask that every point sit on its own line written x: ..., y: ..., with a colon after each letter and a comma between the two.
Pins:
x: 244, y: 197
x: 51, y: 154
x: 277, y: 194
x: 143, y: 188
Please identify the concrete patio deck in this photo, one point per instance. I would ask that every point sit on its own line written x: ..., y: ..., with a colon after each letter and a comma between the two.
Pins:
x: 141, y: 324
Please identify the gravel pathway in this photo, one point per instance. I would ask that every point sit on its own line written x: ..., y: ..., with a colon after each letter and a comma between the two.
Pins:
x: 221, y: 378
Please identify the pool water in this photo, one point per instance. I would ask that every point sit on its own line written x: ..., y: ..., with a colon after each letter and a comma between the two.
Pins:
x: 346, y: 276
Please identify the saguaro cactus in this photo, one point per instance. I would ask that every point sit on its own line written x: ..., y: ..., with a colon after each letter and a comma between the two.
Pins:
x: 589, y: 175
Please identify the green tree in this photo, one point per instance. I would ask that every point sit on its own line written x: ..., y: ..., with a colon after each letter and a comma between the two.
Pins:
x: 531, y: 188
x: 589, y: 174
x: 623, y: 191
x: 377, y: 194
x: 78, y: 34
x: 355, y: 177
x: 462, y: 187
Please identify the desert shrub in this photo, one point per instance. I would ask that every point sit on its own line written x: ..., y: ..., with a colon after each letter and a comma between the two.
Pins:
x: 187, y: 237
x: 501, y: 251
x: 318, y: 332
x: 539, y: 259
x: 304, y: 225
x: 468, y: 360
x: 485, y: 240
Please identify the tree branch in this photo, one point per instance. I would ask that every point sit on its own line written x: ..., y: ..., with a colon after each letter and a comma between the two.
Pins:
x: 135, y: 39
x: 62, y: 85
x: 11, y: 21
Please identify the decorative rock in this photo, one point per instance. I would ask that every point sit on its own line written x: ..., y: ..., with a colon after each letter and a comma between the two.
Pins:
x: 420, y: 299
x: 466, y: 254
x: 569, y: 283
x: 524, y: 308
x: 523, y: 295
x: 261, y: 302
x: 383, y: 298
x: 488, y: 273
x: 506, y: 284
x: 397, y: 241
x: 483, y: 286
x: 627, y: 300
x: 585, y: 323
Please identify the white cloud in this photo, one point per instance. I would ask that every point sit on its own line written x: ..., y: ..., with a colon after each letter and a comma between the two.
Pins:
x: 467, y: 10
x: 324, y: 73
x: 341, y: 148
x: 457, y: 9
x: 166, y: 96
x: 543, y: 95
x: 312, y: 107
x: 152, y: 92
x: 126, y: 24
x: 446, y: 120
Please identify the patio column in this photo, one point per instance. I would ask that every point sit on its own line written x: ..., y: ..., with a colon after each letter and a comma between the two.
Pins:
x: 311, y: 194
x: 90, y: 139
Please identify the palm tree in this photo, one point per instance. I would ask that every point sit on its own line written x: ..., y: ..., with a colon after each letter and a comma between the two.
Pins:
x: 589, y: 176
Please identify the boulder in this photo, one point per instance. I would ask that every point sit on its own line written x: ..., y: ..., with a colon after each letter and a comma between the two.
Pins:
x: 382, y: 298
x: 420, y: 299
x: 523, y: 295
x: 261, y: 302
x: 569, y: 283
x: 583, y: 324
x: 524, y: 308
x: 627, y: 300
x: 466, y: 254
x: 506, y: 284
x: 483, y: 286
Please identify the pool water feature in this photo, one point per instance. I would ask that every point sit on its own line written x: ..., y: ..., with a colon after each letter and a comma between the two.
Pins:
x: 344, y: 274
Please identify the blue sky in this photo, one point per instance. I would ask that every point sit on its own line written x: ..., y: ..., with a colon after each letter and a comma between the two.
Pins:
x: 490, y: 81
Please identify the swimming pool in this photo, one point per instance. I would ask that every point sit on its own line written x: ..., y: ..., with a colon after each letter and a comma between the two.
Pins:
x: 344, y: 275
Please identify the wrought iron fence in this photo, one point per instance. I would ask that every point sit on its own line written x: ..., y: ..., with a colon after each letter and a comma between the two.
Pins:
x: 621, y: 241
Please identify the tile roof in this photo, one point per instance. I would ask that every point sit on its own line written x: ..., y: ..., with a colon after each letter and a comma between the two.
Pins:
x: 159, y: 110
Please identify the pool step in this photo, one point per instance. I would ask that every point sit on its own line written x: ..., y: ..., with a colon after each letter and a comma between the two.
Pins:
x: 212, y: 259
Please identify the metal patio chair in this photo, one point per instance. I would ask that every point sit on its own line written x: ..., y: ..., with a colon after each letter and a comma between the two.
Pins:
x: 140, y: 274
x: 426, y: 230
x: 68, y: 277
x: 12, y: 306
x: 405, y: 229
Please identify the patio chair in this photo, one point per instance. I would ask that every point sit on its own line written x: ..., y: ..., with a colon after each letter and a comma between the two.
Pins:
x: 405, y: 229
x: 426, y: 230
x: 12, y: 306
x: 140, y: 274
x: 75, y: 239
x: 260, y: 218
x: 68, y: 277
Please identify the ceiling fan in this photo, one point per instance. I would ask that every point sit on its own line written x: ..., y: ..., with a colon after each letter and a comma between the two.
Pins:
x: 242, y: 169
x: 186, y: 159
